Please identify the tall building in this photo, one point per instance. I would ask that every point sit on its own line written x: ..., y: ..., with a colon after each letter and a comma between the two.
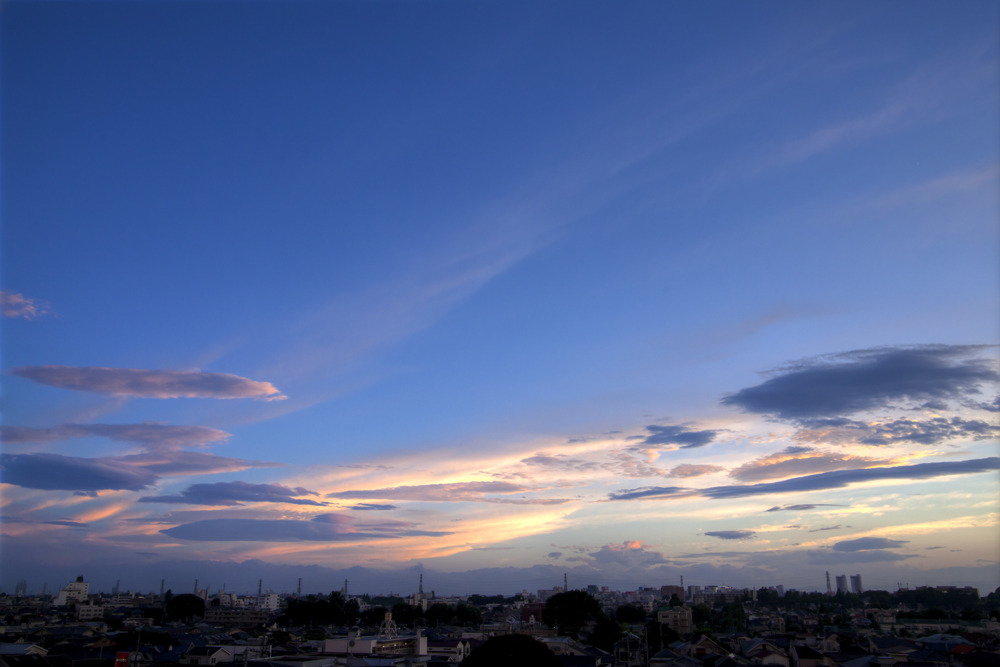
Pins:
x: 74, y: 591
x: 842, y: 584
x: 21, y: 589
x: 856, y: 583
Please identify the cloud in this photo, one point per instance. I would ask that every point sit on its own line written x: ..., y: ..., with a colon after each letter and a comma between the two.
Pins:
x: 801, y: 508
x: 827, y: 480
x: 652, y: 492
x: 236, y: 493
x: 866, y: 380
x: 627, y: 554
x: 731, y: 534
x: 925, y: 432
x: 555, y: 554
x: 148, y: 434
x: 455, y: 492
x: 680, y: 436
x: 371, y: 506
x: 173, y: 462
x: 64, y: 522
x: 145, y: 383
x: 823, y: 529
x: 70, y: 473
x: 798, y: 461
x: 324, y: 528
x: 693, y: 470
x: 841, y: 478
x: 561, y: 462
x: 868, y: 544
x: 15, y: 305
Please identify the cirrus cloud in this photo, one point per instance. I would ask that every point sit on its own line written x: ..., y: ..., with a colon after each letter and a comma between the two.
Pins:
x: 146, y: 383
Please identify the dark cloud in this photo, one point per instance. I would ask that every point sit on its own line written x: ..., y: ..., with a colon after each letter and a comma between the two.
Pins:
x: 866, y: 380
x: 55, y: 472
x: 64, y: 522
x: 237, y: 493
x: 993, y: 406
x: 681, y: 436
x: 841, y: 478
x: 826, y: 528
x: 145, y: 383
x: 555, y: 554
x: 651, y: 492
x: 326, y: 528
x: 731, y: 534
x: 371, y: 506
x: 925, y: 432
x: 868, y: 544
x: 801, y: 508
x: 149, y: 434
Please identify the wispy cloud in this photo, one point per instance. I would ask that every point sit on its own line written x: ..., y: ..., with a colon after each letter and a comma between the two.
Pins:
x: 827, y: 480
x: 454, y: 492
x: 15, y: 305
x: 694, y: 470
x: 868, y: 543
x: 921, y: 431
x: 323, y: 528
x: 801, y: 508
x: 146, y: 383
x: 56, y: 472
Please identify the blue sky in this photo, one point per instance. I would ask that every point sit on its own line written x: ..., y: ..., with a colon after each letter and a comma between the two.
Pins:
x: 505, y: 288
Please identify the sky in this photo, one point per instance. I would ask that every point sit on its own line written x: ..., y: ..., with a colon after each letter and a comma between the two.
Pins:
x: 499, y: 292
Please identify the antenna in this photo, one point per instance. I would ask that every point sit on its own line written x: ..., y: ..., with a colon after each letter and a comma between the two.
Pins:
x: 162, y: 582
x: 195, y: 586
x: 298, y: 592
x: 565, y: 583
x: 829, y: 589
x: 420, y: 591
x: 260, y: 587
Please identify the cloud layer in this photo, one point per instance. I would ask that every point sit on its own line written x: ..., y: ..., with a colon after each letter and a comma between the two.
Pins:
x: 15, y: 305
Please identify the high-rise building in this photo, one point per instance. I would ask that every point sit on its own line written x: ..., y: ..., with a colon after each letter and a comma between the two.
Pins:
x: 21, y: 589
x: 842, y: 584
x: 75, y: 591
x: 856, y: 583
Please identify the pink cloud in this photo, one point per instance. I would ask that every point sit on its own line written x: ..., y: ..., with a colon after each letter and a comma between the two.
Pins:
x: 146, y: 383
x: 17, y: 305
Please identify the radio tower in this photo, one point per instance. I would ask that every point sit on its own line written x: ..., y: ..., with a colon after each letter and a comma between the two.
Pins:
x: 565, y: 583
x: 298, y: 592
x: 829, y: 589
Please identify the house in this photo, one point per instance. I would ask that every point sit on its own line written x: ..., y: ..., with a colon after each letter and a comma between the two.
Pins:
x: 207, y: 655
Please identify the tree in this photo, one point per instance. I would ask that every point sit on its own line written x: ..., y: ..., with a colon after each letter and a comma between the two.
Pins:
x: 570, y: 611
x: 468, y: 616
x: 630, y: 613
x: 605, y: 635
x: 509, y: 650
x: 184, y: 607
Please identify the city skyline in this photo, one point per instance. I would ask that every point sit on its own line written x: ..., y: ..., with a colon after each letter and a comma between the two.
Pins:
x: 500, y: 291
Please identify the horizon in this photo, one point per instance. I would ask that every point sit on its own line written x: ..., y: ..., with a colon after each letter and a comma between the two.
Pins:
x: 501, y: 289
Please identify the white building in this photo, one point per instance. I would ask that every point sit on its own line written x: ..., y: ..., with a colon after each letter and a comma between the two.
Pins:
x: 74, y: 591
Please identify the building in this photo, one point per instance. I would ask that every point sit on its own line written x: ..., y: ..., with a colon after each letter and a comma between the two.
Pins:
x: 678, y: 619
x: 856, y: 584
x: 842, y: 584
x: 74, y: 591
